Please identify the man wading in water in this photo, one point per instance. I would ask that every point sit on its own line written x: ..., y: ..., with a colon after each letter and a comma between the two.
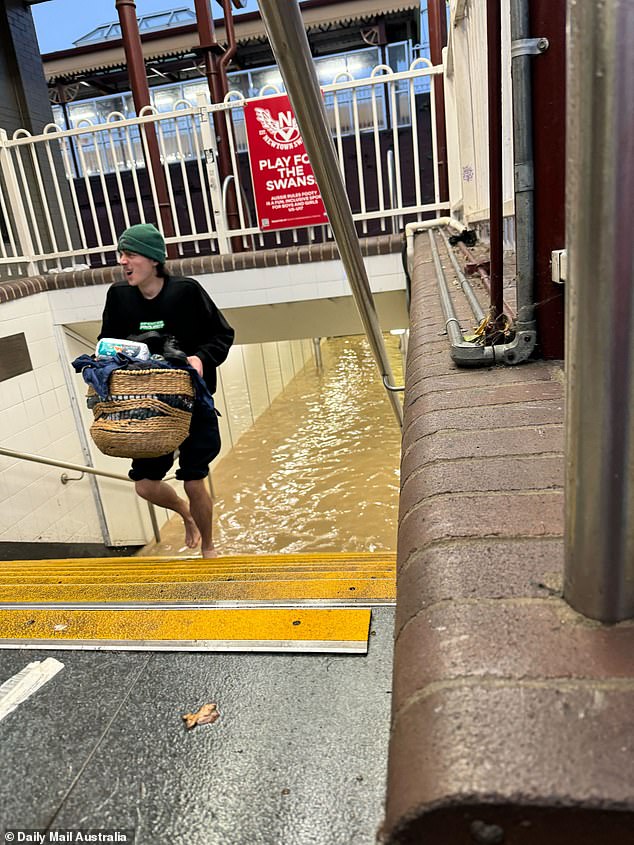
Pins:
x: 150, y: 300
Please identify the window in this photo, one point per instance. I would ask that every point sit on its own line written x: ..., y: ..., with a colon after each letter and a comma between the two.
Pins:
x: 121, y: 147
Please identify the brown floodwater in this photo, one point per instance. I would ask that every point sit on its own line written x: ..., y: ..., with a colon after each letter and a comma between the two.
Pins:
x: 319, y: 469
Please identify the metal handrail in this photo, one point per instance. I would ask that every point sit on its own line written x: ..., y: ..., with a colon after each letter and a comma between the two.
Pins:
x: 38, y: 459
x: 289, y: 43
x: 393, y: 387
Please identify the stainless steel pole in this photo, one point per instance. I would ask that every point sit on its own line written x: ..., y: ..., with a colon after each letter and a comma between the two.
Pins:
x: 155, y: 526
x: 599, y: 550
x: 283, y: 22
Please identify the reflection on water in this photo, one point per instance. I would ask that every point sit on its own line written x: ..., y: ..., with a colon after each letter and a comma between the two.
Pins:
x: 319, y: 469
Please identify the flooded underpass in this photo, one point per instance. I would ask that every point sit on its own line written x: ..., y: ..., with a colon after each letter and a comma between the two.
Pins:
x: 319, y: 469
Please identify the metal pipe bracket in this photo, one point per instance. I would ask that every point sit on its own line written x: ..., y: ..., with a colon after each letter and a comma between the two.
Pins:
x: 529, y: 47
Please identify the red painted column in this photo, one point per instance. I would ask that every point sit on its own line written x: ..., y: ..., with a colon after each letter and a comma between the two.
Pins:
x: 141, y: 96
x: 548, y: 19
x: 216, y: 72
x: 496, y: 220
x: 437, y: 14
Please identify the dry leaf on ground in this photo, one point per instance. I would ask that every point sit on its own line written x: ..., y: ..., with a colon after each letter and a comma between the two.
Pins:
x: 207, y: 714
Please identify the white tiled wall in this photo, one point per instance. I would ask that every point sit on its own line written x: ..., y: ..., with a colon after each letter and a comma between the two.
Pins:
x: 242, y: 288
x: 36, y: 417
x: 317, y: 280
x: 75, y: 305
x: 250, y: 380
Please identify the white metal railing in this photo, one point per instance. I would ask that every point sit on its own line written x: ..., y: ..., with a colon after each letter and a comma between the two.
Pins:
x: 65, y: 195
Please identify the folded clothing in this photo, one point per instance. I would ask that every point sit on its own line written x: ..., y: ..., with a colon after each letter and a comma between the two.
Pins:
x: 97, y: 372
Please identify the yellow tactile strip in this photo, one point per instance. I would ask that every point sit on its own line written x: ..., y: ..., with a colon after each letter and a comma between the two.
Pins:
x: 261, y: 578
x: 339, y: 560
x: 255, y: 629
x: 200, y: 592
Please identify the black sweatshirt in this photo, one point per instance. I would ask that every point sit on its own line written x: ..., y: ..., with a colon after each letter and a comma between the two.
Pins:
x: 182, y: 309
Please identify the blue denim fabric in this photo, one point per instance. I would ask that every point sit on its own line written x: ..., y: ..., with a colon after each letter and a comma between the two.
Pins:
x: 96, y: 372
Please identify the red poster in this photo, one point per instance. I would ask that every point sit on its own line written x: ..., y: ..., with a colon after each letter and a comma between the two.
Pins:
x: 286, y: 192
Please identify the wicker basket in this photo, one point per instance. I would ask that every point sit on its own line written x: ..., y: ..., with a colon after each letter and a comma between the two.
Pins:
x: 147, y: 413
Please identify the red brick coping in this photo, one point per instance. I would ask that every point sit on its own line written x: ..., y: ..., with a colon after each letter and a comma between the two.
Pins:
x: 512, y: 715
x: 380, y: 245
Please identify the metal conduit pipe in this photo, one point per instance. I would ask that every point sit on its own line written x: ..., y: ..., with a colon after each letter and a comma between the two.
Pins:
x: 232, y: 45
x: 599, y: 535
x: 521, y: 347
x: 523, y: 155
x: 462, y: 352
x: 484, y: 276
x: 475, y: 306
x: 411, y: 230
x: 283, y: 22
x: 523, y: 344
x: 452, y: 325
x: 466, y: 354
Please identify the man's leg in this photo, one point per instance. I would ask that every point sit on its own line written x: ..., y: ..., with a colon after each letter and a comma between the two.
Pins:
x: 201, y: 508
x: 196, y: 453
x: 159, y: 493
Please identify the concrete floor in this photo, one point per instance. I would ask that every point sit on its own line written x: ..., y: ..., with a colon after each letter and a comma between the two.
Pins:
x: 298, y: 755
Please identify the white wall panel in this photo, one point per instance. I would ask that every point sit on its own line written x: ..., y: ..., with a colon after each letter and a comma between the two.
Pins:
x: 256, y: 378
x: 34, y: 504
x: 286, y: 361
x: 273, y: 369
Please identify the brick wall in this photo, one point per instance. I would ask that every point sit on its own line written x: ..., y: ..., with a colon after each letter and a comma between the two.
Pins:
x: 23, y: 92
x: 24, y: 100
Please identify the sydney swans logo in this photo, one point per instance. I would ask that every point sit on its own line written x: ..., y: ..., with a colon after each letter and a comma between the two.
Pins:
x: 281, y: 134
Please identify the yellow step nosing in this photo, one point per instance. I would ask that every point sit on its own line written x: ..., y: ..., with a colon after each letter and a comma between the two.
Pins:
x: 187, y: 570
x: 270, y: 625
x: 194, y: 579
x: 201, y: 591
x: 388, y: 558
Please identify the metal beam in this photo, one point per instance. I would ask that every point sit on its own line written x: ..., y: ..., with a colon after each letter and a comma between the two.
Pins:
x: 288, y: 39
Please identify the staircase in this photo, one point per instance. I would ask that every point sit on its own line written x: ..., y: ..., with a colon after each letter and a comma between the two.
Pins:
x: 305, y: 602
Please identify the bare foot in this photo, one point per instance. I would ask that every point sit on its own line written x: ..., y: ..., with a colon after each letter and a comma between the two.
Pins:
x: 210, y: 552
x: 192, y: 534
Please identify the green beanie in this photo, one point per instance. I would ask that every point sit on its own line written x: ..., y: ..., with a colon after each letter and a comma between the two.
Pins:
x: 144, y: 239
